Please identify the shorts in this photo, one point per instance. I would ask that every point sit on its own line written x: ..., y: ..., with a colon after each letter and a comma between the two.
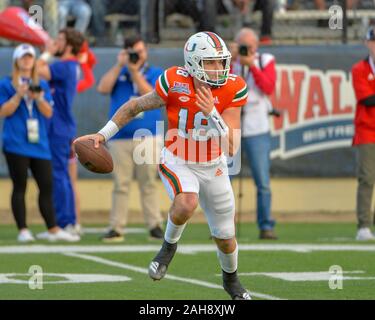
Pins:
x: 212, y: 185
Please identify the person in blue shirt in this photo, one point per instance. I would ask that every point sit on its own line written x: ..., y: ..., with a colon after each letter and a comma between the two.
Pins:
x: 62, y: 75
x: 26, y: 103
x: 132, y: 76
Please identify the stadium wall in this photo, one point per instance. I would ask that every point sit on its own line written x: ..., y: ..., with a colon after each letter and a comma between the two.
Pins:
x: 293, y: 200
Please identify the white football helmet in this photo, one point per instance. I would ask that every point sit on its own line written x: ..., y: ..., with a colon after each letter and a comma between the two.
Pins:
x: 204, y: 46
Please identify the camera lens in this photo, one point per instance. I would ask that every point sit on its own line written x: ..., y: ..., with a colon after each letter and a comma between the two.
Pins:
x: 243, y: 50
x: 133, y: 57
x: 35, y: 88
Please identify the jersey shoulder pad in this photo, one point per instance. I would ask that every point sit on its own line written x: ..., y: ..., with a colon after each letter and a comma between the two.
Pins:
x: 238, y: 90
x: 162, y: 85
x: 168, y: 79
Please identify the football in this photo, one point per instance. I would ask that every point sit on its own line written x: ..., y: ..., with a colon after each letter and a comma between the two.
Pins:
x: 95, y: 160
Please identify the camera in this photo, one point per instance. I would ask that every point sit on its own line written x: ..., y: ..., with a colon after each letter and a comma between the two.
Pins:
x: 35, y: 88
x: 133, y: 57
x: 243, y: 50
x: 275, y: 112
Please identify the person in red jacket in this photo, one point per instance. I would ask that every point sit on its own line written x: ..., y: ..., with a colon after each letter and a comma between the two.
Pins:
x: 87, y: 61
x: 363, y: 74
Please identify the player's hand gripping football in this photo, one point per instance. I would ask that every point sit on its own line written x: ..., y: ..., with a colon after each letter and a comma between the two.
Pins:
x: 97, y: 138
x: 205, y: 100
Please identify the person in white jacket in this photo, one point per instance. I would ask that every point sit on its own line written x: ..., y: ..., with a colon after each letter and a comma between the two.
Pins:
x: 259, y: 72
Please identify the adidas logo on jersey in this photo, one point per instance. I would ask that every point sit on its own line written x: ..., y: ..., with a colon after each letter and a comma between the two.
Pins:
x: 219, y: 172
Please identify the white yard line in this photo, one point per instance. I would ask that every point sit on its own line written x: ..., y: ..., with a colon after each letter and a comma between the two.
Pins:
x: 66, y: 278
x: 168, y: 276
x: 184, y: 249
x: 77, y: 248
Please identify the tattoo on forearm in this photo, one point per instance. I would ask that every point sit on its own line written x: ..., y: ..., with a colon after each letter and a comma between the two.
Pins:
x: 133, y: 107
x: 150, y: 101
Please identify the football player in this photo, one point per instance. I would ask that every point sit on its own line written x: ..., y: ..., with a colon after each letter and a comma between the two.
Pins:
x: 203, y: 103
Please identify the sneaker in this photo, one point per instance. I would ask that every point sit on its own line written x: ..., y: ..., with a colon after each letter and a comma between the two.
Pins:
x: 156, y: 233
x: 60, y: 235
x: 25, y: 236
x: 73, y: 229
x: 233, y: 287
x: 267, y: 235
x: 364, y: 234
x: 112, y: 236
x: 43, y: 235
x: 78, y: 229
x: 159, y: 265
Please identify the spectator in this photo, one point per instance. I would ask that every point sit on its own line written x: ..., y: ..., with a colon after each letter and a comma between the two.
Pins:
x: 267, y: 7
x: 363, y: 74
x: 26, y: 103
x: 259, y: 72
x: 203, y: 12
x: 98, y: 20
x: 62, y: 76
x: 132, y: 76
x: 149, y: 15
x: 207, y: 15
x: 51, y: 17
x: 79, y: 9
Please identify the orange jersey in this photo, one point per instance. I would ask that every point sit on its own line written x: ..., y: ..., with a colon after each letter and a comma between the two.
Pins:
x: 187, y: 125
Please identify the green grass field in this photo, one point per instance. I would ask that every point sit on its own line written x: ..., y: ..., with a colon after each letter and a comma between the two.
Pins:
x: 294, y: 267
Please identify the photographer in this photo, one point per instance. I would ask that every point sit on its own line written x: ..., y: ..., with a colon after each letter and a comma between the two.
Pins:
x: 259, y: 72
x: 131, y: 77
x: 26, y: 103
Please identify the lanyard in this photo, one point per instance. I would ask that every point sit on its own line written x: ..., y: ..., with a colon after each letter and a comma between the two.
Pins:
x: 241, y: 70
x: 28, y: 102
x: 142, y: 71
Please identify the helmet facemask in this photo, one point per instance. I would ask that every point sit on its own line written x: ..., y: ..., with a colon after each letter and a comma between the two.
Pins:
x: 213, y: 77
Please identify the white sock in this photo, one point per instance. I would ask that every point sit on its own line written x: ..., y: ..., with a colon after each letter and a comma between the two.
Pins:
x: 228, y: 261
x: 173, y: 232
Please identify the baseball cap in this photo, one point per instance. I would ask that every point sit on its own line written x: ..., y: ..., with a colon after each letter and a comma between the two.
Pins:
x: 23, y: 49
x: 370, y: 34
